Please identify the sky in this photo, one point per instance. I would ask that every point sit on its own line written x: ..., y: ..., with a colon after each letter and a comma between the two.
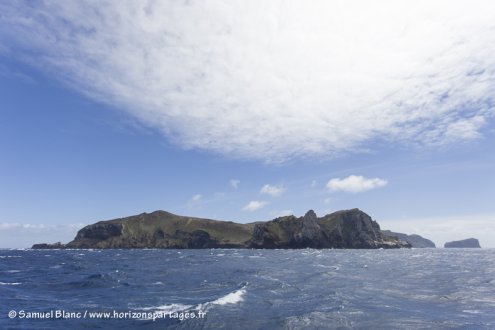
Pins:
x: 246, y: 111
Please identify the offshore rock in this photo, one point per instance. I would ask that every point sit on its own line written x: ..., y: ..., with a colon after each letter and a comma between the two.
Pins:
x: 57, y: 245
x: 466, y: 243
x: 351, y: 229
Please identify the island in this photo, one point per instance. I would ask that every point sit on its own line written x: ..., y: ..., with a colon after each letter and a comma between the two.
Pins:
x: 415, y: 240
x: 465, y: 243
x: 351, y: 229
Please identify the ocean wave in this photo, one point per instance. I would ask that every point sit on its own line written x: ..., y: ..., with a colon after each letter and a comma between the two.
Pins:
x: 445, y: 289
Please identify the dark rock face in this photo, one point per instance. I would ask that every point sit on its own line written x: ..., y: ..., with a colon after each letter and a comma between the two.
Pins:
x: 344, y: 229
x: 416, y: 241
x: 90, y: 236
x: 356, y: 229
x: 197, y: 239
x: 100, y: 231
x: 466, y: 243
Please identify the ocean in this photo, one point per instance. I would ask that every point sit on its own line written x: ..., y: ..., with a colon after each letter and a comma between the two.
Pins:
x: 248, y: 289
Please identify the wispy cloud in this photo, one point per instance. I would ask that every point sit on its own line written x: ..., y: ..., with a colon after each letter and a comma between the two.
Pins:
x: 355, y: 184
x: 272, y: 190
x: 234, y: 183
x: 315, y: 78
x: 254, y: 205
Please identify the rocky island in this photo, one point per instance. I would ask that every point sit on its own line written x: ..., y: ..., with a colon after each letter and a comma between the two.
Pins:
x: 351, y: 229
x: 465, y: 243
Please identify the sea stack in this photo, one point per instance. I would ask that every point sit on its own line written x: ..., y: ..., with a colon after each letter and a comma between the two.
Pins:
x: 465, y: 243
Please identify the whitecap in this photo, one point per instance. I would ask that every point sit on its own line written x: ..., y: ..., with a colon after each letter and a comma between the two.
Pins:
x: 328, y: 267
x: 14, y: 283
x: 231, y: 298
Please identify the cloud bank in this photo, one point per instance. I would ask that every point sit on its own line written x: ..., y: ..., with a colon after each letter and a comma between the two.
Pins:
x: 272, y: 80
x: 17, y: 235
x: 355, y: 184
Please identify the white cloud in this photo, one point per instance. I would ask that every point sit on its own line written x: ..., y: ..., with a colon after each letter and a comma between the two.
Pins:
x: 355, y: 184
x: 254, y: 205
x: 235, y: 183
x: 272, y: 190
x: 271, y: 81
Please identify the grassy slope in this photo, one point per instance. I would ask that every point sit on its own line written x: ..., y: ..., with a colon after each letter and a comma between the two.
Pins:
x: 168, y: 223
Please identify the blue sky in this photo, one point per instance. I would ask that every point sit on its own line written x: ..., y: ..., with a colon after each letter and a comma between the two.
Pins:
x: 113, y: 110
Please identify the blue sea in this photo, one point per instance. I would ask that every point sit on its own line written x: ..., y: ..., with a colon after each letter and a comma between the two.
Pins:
x: 248, y: 289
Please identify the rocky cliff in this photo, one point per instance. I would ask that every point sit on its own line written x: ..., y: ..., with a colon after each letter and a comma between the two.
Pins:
x: 352, y: 229
x: 466, y: 243
x: 416, y: 241
x: 160, y: 229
